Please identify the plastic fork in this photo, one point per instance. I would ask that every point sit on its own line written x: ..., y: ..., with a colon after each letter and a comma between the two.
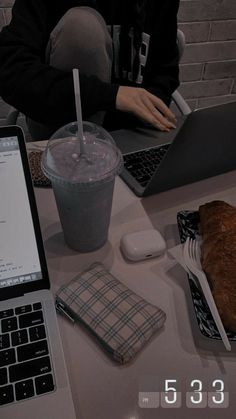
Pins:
x: 191, y: 255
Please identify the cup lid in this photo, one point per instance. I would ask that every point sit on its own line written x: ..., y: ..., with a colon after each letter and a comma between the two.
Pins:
x: 62, y: 161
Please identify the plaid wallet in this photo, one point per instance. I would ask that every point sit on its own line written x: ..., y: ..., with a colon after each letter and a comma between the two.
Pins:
x: 121, y: 320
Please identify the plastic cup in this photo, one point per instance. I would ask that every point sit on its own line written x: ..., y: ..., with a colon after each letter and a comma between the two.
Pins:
x: 83, y: 184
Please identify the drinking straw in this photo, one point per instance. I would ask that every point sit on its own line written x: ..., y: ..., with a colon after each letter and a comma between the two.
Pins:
x: 80, y: 133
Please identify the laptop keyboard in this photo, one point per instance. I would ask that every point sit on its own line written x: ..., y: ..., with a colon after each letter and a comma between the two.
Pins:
x: 25, y: 366
x: 142, y: 164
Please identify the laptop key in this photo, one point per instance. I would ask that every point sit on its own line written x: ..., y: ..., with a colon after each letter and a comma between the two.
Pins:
x: 37, y: 333
x: 30, y: 319
x: 4, y: 341
x: 32, y: 350
x: 6, y: 313
x: 133, y: 166
x: 3, y: 376
x: 29, y: 369
x: 7, y: 357
x: 9, y: 324
x: 24, y: 389
x: 19, y: 337
x: 37, y: 306
x: 6, y: 394
x: 44, y: 384
x: 144, y: 179
x: 23, y: 309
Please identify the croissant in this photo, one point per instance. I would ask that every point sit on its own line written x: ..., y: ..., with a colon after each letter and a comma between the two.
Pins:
x: 218, y: 256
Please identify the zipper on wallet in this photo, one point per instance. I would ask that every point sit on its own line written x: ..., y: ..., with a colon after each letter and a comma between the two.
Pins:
x: 62, y: 309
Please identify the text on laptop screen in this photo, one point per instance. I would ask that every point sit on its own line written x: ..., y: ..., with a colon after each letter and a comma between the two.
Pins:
x: 19, y: 259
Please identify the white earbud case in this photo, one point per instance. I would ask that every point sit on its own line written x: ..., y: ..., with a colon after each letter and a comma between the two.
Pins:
x: 142, y: 245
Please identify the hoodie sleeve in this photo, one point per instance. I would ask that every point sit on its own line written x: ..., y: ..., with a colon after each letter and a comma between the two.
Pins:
x: 162, y: 70
x: 38, y: 90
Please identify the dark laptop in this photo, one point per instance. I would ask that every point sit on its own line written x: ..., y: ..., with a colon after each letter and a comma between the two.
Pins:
x: 33, y: 377
x: 203, y: 145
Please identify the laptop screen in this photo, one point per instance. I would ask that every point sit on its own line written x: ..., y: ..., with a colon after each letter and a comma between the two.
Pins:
x: 19, y: 257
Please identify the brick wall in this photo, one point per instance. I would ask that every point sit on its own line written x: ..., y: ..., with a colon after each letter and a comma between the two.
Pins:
x: 208, y: 67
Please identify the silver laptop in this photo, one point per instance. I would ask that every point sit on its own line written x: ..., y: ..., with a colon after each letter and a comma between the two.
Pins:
x: 33, y: 377
x: 203, y: 145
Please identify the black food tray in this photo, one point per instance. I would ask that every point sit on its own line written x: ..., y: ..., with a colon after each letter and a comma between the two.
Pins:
x: 188, y: 227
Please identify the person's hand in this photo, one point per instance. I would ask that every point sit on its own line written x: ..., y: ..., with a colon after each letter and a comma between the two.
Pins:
x: 145, y: 106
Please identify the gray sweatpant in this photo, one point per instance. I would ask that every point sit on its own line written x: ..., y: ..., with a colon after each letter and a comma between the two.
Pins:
x: 79, y: 40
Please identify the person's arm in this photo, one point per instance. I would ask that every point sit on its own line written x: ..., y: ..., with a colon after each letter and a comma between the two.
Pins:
x: 40, y: 91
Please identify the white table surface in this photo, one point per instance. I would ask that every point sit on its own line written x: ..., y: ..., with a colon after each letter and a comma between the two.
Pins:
x: 102, y: 389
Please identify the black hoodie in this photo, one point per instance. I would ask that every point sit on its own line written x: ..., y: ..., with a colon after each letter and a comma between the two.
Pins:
x: 44, y: 93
